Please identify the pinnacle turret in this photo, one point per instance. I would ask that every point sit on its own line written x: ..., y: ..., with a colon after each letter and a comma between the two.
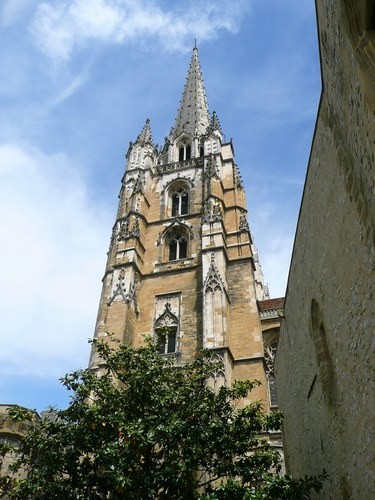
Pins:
x: 140, y: 152
x: 193, y: 116
x: 215, y: 124
x: 145, y: 136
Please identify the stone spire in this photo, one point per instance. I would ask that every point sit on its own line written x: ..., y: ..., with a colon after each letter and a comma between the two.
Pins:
x: 193, y: 116
x: 145, y: 136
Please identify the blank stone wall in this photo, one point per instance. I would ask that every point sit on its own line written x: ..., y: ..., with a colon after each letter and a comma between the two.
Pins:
x: 325, y: 359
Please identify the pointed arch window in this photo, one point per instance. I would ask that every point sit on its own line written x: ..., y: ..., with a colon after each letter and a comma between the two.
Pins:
x: 177, y: 197
x: 184, y: 151
x: 180, y: 202
x: 166, y: 327
x: 167, y: 340
x: 269, y: 358
x: 177, y: 246
x: 184, y: 148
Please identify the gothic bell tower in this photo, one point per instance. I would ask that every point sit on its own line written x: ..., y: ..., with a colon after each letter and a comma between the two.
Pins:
x: 181, y: 265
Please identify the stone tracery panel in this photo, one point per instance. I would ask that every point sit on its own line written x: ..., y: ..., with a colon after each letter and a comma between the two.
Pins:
x: 167, y: 323
x: 269, y: 358
x: 122, y: 289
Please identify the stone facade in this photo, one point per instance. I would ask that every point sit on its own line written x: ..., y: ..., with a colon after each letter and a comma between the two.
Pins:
x: 12, y: 433
x: 181, y: 266
x: 325, y: 359
x: 271, y: 311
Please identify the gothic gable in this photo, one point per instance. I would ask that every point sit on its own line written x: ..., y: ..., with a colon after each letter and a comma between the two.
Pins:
x: 120, y: 291
x: 213, y: 281
x: 167, y: 319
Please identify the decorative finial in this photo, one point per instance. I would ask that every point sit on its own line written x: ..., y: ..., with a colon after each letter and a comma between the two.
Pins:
x: 195, y: 44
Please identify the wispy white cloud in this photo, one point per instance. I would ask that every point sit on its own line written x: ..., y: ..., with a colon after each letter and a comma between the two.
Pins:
x: 77, y: 82
x: 49, y: 270
x: 60, y: 28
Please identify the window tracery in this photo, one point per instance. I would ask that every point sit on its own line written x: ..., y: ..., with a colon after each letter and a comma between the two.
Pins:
x: 124, y: 230
x: 178, y: 198
x: 166, y: 328
x: 180, y: 202
x: 269, y: 358
x: 216, y: 377
x: 120, y: 291
x: 213, y: 281
x: 184, y: 150
x: 177, y: 246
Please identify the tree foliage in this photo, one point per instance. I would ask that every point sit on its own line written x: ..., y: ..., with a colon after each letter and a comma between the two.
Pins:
x: 145, y: 429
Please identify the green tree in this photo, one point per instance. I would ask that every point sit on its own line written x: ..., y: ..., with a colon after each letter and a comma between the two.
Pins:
x: 146, y: 429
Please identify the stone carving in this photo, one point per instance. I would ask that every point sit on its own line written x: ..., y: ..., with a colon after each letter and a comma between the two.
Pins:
x: 211, y: 170
x: 237, y: 179
x: 214, y: 124
x: 135, y: 230
x: 244, y: 223
x: 126, y: 232
x: 123, y: 230
x: 159, y: 238
x: 213, y: 279
x: 167, y: 319
x: 269, y: 357
x: 216, y: 211
x: 179, y: 165
x: 120, y: 290
x: 113, y: 235
x: 129, y: 186
x: 138, y: 186
x: 145, y: 137
x: 217, y: 373
x: 136, y: 202
x: 211, y: 213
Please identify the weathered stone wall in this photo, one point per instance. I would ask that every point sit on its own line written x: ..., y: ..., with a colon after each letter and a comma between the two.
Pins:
x: 12, y: 433
x: 325, y: 358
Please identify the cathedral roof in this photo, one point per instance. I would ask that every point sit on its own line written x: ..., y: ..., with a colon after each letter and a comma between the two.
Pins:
x: 268, y: 304
x: 145, y: 135
x: 193, y: 116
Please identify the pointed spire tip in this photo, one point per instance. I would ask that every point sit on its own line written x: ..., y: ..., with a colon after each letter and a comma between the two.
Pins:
x: 194, y: 101
x: 145, y: 135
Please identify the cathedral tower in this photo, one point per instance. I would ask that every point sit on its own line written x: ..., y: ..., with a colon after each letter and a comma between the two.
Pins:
x: 181, y: 265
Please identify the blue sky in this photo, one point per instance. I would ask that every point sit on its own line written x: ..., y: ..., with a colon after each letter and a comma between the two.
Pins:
x: 78, y: 79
